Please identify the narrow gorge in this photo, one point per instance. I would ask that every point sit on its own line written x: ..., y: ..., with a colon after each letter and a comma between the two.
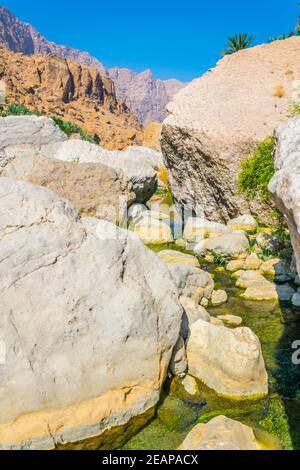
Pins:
x: 149, y: 277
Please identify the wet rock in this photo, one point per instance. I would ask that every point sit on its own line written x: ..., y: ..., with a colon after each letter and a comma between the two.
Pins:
x: 231, y: 320
x: 285, y: 292
x: 269, y: 242
x: 227, y: 360
x: 176, y: 415
x: 279, y: 269
x: 151, y: 230
x: 261, y: 291
x: 218, y: 297
x: 192, y: 282
x: 251, y: 263
x: 178, y: 364
x: 296, y: 300
x: 197, y: 229
x: 246, y: 279
x: 246, y: 223
x: 192, y: 313
x: 190, y: 385
x: 176, y: 257
x: 231, y: 245
x: 220, y: 433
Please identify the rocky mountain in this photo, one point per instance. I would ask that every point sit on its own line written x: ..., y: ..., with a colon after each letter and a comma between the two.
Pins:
x: 56, y: 86
x: 216, y: 121
x: 145, y: 95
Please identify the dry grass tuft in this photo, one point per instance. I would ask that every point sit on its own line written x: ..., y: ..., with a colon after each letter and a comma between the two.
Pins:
x: 279, y: 91
x: 163, y: 176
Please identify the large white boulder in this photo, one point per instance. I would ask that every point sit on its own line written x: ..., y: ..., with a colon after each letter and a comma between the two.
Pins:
x: 20, y: 133
x: 228, y: 361
x: 94, y: 189
x: 89, y: 317
x: 136, y: 163
x: 285, y: 185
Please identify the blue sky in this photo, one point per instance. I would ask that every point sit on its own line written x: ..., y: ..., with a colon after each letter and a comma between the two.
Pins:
x: 176, y: 39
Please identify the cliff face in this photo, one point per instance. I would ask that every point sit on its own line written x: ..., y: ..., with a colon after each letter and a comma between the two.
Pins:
x: 22, y: 37
x: 145, y: 95
x: 217, y: 120
x: 57, y: 86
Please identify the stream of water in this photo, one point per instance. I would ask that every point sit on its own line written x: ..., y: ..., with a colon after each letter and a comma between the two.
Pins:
x: 275, y: 419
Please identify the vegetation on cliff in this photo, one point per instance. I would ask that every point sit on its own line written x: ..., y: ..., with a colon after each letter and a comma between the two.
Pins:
x: 15, y: 109
x: 237, y: 42
x: 257, y: 171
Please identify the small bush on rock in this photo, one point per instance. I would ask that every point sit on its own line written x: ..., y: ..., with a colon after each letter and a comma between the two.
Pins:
x: 257, y: 171
x: 69, y: 129
x: 15, y: 109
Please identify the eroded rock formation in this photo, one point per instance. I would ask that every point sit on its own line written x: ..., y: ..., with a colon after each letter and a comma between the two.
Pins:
x: 285, y: 185
x: 217, y: 120
x: 145, y: 95
x: 71, y: 91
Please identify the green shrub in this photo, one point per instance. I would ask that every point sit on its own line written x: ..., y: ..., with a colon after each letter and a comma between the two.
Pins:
x: 69, y: 128
x: 282, y: 37
x: 257, y: 171
x: 294, y: 109
x: 15, y: 109
x: 276, y: 422
x: 220, y: 260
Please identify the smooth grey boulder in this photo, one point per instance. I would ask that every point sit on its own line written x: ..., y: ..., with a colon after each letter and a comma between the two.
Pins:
x: 192, y: 282
x: 285, y: 185
x: 28, y: 130
x: 89, y: 316
x: 137, y: 163
x: 26, y: 136
x: 229, y: 245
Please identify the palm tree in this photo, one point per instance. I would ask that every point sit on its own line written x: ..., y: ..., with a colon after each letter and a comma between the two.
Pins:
x: 298, y: 25
x: 237, y: 42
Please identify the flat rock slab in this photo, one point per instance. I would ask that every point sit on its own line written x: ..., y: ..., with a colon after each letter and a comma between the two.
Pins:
x: 218, y: 297
x: 176, y: 257
x: 231, y: 320
x: 231, y: 245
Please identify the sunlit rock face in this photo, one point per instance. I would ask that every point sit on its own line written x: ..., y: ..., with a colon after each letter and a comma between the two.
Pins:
x: 89, y: 316
x: 285, y: 185
x: 217, y: 120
